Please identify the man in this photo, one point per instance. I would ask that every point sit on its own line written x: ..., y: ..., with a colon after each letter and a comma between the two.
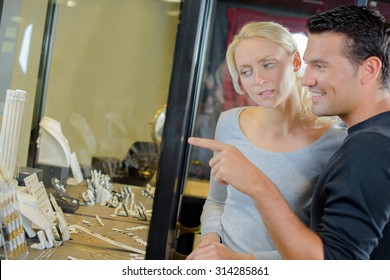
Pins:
x: 348, y: 60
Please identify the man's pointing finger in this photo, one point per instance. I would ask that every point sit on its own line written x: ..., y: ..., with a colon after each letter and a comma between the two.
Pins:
x: 206, y: 143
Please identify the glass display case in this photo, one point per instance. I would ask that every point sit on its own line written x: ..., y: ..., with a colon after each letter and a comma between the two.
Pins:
x: 129, y: 81
x: 98, y: 75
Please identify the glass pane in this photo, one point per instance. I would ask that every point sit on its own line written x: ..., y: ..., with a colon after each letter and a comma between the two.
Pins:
x: 21, y: 33
x: 108, y: 80
x: 108, y: 76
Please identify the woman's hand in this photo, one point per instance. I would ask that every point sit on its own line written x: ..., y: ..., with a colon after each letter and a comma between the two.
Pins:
x: 216, y: 251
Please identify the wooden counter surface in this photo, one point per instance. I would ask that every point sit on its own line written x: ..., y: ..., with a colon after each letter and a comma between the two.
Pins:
x: 197, y: 188
x: 85, y: 246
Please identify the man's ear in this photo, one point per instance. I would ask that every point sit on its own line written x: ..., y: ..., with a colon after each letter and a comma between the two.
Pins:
x: 371, y: 69
x: 297, y: 62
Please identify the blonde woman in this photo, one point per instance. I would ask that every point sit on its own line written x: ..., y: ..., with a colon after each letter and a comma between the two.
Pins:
x: 280, y: 136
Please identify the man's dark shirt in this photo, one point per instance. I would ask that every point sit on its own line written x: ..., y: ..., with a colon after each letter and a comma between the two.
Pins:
x: 351, y: 201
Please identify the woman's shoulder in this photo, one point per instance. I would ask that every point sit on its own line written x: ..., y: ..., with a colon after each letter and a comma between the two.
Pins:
x: 228, y: 123
x: 231, y: 114
x: 337, y: 131
x: 332, y: 138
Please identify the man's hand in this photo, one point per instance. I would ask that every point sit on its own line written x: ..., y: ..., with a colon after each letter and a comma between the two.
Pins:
x: 230, y: 166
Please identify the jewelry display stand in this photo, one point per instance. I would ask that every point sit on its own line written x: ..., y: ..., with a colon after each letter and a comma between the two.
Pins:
x: 54, y: 156
x: 13, y: 117
x: 52, y: 144
x: 13, y: 243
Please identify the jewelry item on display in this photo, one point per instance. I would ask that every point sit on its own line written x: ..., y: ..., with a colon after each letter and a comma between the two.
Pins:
x: 123, y: 246
x: 11, y: 127
x: 45, y: 217
x: 12, y: 238
x: 99, y: 220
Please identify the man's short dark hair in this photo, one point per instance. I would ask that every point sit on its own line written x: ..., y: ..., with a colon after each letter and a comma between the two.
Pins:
x: 367, y: 34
